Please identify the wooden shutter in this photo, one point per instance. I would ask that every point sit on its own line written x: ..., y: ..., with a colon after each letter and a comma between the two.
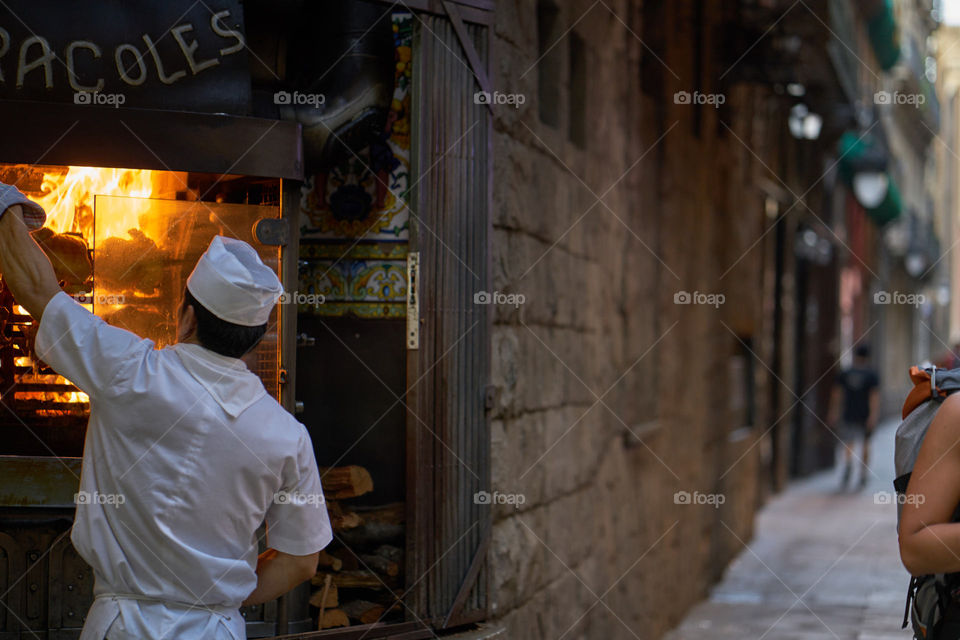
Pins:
x: 448, y: 432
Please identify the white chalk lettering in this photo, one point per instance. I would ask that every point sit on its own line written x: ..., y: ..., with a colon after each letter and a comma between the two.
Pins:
x: 190, y: 49
x: 225, y: 32
x: 164, y: 78
x: 71, y: 66
x: 4, y: 48
x: 24, y: 67
x: 124, y: 70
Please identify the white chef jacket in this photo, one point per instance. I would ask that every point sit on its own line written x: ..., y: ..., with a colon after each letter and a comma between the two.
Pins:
x: 185, y: 456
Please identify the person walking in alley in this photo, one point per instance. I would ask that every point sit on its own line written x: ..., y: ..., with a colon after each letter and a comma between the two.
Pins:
x: 857, y: 388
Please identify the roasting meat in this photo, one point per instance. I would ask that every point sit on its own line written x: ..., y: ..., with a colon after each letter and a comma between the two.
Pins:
x: 70, y: 258
x: 130, y: 265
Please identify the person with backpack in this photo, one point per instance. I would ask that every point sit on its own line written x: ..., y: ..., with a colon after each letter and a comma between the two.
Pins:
x: 857, y: 389
x: 929, y: 531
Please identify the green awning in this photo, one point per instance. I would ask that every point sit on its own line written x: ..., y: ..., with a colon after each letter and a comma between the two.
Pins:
x: 884, y: 39
x: 850, y: 148
x: 859, y: 152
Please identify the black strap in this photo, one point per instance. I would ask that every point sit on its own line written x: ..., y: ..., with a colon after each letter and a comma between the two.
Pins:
x: 901, y: 482
x: 906, y: 609
x: 945, y: 601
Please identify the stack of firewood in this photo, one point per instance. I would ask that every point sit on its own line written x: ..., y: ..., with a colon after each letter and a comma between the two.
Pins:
x: 359, y: 577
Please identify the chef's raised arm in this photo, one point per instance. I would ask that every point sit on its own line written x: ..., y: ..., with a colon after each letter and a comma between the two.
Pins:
x: 83, y: 348
x: 25, y: 267
x: 77, y: 344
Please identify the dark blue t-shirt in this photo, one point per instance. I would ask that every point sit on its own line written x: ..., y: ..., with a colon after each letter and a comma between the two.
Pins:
x: 857, y: 382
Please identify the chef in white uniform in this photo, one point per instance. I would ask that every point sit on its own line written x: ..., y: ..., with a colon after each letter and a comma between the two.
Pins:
x: 185, y: 454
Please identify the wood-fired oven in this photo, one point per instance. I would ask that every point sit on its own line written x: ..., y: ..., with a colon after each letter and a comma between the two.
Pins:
x: 122, y: 241
x: 147, y: 128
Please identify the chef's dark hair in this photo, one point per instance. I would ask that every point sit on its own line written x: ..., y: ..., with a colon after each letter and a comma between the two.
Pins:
x: 226, y: 338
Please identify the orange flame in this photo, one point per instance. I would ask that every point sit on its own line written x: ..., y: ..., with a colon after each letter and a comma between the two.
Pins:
x: 67, y: 194
x: 68, y: 198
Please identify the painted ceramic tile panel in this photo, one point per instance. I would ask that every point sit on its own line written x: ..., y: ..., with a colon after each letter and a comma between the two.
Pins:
x: 354, y: 218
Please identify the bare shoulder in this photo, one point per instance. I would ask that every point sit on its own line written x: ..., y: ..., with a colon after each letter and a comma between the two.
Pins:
x: 945, y: 427
x: 951, y: 406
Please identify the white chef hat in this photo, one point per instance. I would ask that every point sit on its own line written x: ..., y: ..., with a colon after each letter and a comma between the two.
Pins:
x: 233, y: 284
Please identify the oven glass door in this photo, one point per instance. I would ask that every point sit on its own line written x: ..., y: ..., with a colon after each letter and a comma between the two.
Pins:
x: 143, y: 251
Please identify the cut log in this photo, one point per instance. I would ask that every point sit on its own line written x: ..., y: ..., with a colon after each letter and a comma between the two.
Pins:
x: 323, y: 602
x: 318, y: 600
x: 348, y: 559
x: 390, y: 552
x: 359, y: 579
x: 334, y: 618
x: 341, y: 520
x: 390, y: 601
x: 348, y: 520
x: 345, y: 482
x: 380, y: 564
x: 329, y: 561
x: 356, y: 579
x: 363, y: 611
x: 392, y: 513
x: 383, y: 524
x: 372, y: 534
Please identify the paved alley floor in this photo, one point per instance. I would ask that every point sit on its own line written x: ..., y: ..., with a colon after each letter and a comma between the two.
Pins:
x: 821, y: 565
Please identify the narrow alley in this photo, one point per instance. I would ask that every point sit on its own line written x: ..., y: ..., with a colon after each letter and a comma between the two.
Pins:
x: 475, y: 319
x: 822, y: 564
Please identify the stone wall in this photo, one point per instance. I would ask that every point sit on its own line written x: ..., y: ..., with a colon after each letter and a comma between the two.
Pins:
x: 611, y: 397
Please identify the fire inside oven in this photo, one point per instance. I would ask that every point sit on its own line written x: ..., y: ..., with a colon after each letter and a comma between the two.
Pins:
x: 122, y: 242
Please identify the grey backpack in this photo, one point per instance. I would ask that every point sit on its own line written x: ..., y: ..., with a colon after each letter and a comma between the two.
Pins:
x: 928, y: 596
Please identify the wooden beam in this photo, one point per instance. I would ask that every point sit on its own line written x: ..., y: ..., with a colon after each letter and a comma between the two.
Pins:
x: 479, y: 559
x: 476, y: 65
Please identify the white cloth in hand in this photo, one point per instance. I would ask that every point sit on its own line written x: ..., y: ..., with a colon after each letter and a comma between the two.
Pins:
x: 33, y: 214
